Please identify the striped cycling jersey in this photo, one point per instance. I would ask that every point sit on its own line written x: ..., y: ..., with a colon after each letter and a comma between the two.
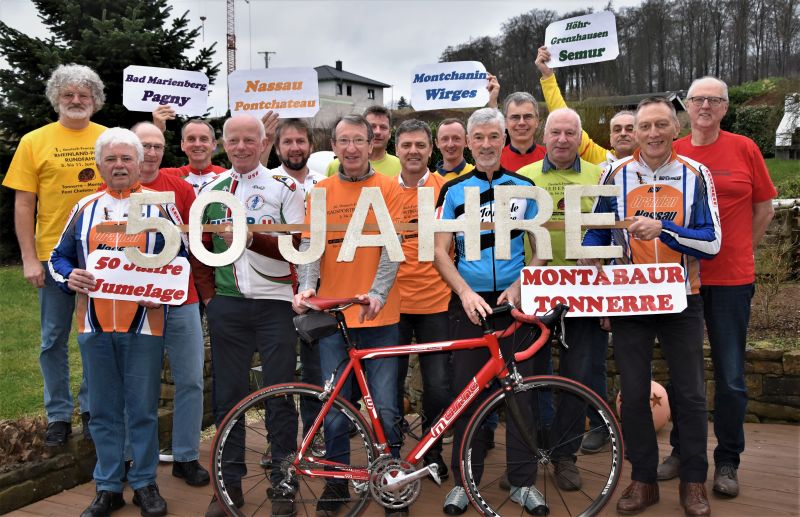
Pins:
x: 487, y: 274
x: 80, y: 237
x: 681, y: 195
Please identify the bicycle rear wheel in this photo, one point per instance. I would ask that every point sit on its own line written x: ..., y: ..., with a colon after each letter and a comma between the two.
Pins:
x: 256, y: 444
x: 559, y: 434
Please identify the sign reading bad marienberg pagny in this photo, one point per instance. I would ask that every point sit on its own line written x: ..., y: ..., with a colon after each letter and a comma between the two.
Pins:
x: 460, y: 84
x: 584, y: 39
x: 144, y: 88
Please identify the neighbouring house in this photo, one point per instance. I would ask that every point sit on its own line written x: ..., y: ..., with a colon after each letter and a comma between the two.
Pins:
x: 342, y: 92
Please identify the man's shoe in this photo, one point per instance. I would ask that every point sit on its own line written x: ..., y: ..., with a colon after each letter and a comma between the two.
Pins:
x: 396, y: 512
x: 637, y: 497
x: 441, y: 467
x: 726, y: 482
x: 216, y: 508
x: 191, y: 471
x: 85, y: 417
x: 282, y: 503
x: 57, y: 433
x: 456, y: 501
x: 165, y: 455
x: 529, y: 498
x: 150, y: 501
x: 567, y: 475
x: 694, y: 499
x: 669, y: 468
x: 594, y: 442
x: 103, y: 504
x: 333, y: 497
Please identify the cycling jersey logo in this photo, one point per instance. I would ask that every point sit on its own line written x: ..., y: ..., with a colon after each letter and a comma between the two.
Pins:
x: 287, y: 182
x: 255, y: 202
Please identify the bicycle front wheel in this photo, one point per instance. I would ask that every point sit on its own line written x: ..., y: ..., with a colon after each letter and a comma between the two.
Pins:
x: 558, y: 480
x: 256, y: 447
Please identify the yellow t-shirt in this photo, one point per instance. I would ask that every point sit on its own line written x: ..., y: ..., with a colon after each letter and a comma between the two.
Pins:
x: 57, y: 164
x: 389, y: 165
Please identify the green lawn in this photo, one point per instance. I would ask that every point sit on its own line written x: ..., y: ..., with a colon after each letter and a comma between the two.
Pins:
x: 786, y: 176
x: 20, y: 377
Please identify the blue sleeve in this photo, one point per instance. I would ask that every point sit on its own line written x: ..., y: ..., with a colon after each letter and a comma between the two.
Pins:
x: 600, y: 236
x: 702, y: 235
x: 64, y: 257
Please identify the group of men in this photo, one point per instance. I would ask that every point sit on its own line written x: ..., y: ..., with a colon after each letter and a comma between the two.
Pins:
x: 725, y: 206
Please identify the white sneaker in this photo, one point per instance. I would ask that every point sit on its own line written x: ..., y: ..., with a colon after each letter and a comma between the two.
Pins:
x: 165, y: 456
x: 456, y: 501
x: 531, y: 499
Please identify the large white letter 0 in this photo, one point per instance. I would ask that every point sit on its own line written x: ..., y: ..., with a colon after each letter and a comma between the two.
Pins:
x: 428, y: 225
x: 574, y: 219
x: 354, y: 237
x: 319, y: 225
x: 239, y: 218
x: 503, y: 224
x: 137, y: 224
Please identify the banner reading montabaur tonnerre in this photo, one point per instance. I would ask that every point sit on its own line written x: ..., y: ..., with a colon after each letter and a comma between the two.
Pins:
x: 118, y: 278
x: 615, y: 291
x: 460, y: 84
x: 290, y: 92
x: 584, y: 39
x: 144, y: 88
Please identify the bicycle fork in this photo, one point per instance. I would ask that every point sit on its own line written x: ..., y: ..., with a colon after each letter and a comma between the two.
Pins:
x: 527, y: 434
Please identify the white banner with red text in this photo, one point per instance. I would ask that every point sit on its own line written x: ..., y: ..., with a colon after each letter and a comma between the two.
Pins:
x: 118, y: 278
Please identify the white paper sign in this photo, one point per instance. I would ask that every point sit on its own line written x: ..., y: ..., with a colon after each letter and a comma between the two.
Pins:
x: 584, y: 39
x: 118, y: 278
x: 290, y: 92
x: 618, y: 291
x: 144, y: 88
x: 460, y: 84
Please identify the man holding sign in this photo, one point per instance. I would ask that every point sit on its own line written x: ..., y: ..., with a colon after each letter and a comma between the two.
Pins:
x: 121, y: 341
x: 671, y: 203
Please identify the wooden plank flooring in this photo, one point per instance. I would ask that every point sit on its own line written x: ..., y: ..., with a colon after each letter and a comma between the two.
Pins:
x: 769, y: 477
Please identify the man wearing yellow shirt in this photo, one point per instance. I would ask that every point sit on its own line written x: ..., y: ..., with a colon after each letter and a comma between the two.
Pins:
x: 621, y: 124
x: 52, y: 169
x: 387, y: 164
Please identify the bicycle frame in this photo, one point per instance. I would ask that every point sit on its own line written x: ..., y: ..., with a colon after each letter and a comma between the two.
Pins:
x: 495, y: 367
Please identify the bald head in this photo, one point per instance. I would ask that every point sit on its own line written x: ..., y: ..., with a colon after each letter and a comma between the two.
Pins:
x: 562, y: 136
x: 243, y: 139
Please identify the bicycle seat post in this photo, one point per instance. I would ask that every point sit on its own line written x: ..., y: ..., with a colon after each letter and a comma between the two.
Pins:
x: 339, y: 315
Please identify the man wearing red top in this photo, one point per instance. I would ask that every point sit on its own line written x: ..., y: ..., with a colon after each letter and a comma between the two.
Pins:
x: 424, y: 297
x: 522, y: 121
x: 744, y: 192
x: 183, y: 336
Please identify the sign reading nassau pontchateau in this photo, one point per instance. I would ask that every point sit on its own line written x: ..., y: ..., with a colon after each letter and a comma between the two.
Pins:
x: 144, y: 88
x: 460, y: 84
x: 584, y: 39
x: 118, y: 278
x: 613, y: 291
x: 290, y: 92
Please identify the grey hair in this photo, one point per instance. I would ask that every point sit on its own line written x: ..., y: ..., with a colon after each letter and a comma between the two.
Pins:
x: 353, y: 120
x: 411, y: 126
x: 659, y: 100
x: 563, y: 111
x: 486, y: 116
x: 118, y: 135
x: 242, y: 116
x: 518, y: 98
x: 72, y: 74
x: 621, y: 114
x: 201, y: 122
x: 719, y: 81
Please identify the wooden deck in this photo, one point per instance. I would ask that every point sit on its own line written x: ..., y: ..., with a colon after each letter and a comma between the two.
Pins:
x: 769, y: 477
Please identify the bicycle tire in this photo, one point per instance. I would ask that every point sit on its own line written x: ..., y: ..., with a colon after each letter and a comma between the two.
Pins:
x: 260, y: 465
x: 599, y: 472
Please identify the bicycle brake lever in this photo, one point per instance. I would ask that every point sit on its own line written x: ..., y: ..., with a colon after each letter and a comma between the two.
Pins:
x: 561, y: 332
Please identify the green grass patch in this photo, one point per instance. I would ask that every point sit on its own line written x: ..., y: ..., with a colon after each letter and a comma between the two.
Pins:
x: 786, y: 177
x: 21, y: 385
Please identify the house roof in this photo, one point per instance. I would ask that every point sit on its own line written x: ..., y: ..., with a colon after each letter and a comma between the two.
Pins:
x: 329, y: 73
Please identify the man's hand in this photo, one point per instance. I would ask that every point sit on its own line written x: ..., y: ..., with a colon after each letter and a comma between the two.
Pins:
x: 149, y: 305
x: 80, y: 281
x: 298, y: 302
x: 542, y: 58
x: 511, y: 295
x: 473, y: 305
x: 644, y: 228
x: 160, y: 116
x: 369, y: 311
x: 493, y: 86
x: 270, y: 121
x: 227, y: 236
x: 605, y: 323
x: 33, y: 272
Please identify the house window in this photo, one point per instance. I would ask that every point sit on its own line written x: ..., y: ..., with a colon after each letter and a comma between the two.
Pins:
x: 349, y: 91
x: 338, y: 88
x: 370, y: 94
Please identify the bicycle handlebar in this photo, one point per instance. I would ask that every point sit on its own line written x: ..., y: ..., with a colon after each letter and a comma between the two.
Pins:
x: 545, y: 323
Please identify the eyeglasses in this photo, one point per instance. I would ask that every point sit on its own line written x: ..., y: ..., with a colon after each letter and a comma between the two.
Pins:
x: 155, y: 147
x: 68, y: 96
x: 699, y: 100
x: 345, y: 142
x: 527, y: 117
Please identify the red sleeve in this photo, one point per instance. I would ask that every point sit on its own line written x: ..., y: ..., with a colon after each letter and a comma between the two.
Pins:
x: 763, y: 188
x: 203, y: 277
x: 267, y: 245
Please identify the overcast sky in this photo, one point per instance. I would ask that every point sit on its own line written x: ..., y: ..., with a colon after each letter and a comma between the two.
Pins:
x: 380, y: 39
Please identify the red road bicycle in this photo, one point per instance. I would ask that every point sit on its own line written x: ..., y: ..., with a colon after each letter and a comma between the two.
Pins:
x: 247, y: 441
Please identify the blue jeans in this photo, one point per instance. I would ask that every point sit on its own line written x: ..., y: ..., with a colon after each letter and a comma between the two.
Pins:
x: 56, y: 309
x: 311, y: 374
x: 382, y: 379
x: 183, y: 342
x: 123, y: 372
x: 726, y: 310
